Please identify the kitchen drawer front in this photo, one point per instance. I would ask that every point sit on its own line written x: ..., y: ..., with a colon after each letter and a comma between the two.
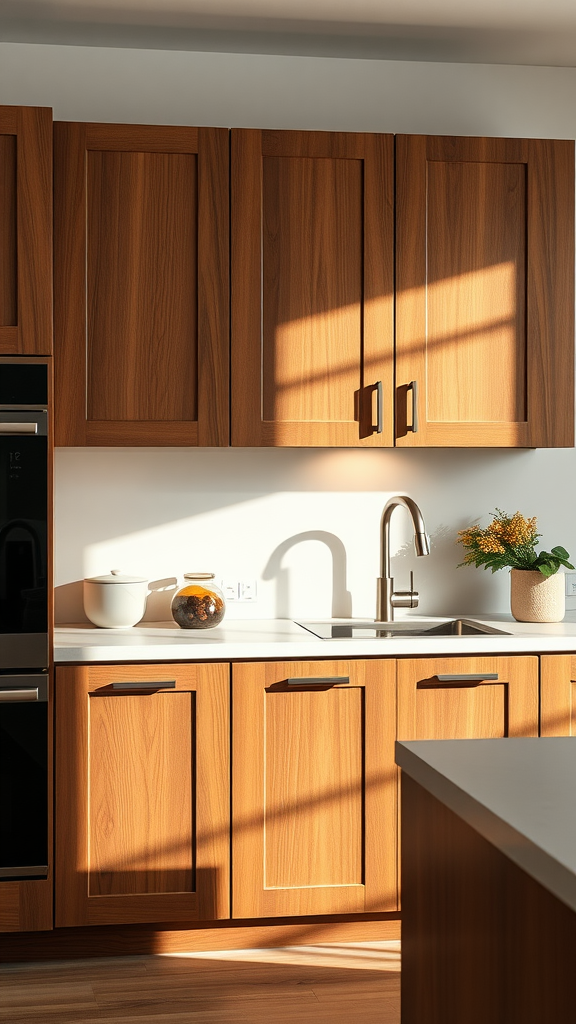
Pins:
x: 313, y: 788
x: 466, y: 698
x: 142, y: 793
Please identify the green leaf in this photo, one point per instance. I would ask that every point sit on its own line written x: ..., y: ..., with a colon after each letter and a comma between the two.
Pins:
x: 560, y: 552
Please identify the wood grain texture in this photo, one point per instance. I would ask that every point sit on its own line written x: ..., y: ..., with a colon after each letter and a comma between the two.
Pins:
x: 141, y: 285
x: 485, y: 281
x: 430, y: 709
x: 314, y: 210
x: 557, y: 695
x: 26, y: 230
x: 8, y: 244
x: 481, y: 940
x: 324, y: 983
x: 142, y: 803
x: 314, y: 790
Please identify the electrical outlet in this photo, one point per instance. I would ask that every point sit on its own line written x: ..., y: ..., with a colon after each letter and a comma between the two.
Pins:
x: 230, y: 590
x: 570, y: 580
x: 247, y: 590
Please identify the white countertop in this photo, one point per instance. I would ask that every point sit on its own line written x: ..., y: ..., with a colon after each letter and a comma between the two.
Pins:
x: 278, y: 639
x: 517, y: 793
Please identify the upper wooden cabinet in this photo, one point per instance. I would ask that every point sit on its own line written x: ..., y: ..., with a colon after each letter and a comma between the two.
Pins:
x: 485, y: 292
x: 141, y: 285
x: 312, y: 288
x: 25, y: 231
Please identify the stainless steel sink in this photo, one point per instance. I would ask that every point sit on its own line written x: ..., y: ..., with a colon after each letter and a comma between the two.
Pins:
x: 389, y: 630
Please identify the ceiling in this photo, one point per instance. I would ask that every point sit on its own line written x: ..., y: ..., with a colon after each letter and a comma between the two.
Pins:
x: 479, y: 31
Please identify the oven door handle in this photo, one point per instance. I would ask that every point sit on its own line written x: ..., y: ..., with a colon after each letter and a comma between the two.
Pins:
x: 18, y: 428
x: 17, y: 696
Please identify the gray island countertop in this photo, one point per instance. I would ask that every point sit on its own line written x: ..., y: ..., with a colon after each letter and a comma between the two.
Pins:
x: 519, y: 794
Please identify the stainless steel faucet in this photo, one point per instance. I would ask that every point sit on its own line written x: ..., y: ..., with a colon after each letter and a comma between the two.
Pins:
x: 387, y: 599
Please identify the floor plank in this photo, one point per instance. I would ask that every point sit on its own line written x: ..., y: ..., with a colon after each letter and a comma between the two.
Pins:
x: 332, y: 983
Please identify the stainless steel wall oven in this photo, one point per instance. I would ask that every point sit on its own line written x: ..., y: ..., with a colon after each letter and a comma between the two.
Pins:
x: 24, y: 644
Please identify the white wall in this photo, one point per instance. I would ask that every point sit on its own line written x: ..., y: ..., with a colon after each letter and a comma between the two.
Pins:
x: 304, y: 524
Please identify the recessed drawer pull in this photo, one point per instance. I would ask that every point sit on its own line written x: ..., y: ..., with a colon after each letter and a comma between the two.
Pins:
x: 467, y: 677
x: 169, y: 684
x: 317, y: 681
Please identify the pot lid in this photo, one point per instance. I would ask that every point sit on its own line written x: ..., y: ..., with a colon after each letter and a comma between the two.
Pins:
x: 115, y: 576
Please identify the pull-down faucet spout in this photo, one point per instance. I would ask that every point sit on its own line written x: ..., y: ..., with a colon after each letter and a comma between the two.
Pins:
x: 386, y: 597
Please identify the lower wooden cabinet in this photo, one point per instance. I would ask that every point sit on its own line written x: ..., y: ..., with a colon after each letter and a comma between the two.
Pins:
x: 467, y: 698
x: 143, y: 824
x: 142, y: 793
x: 558, y: 695
x: 313, y: 788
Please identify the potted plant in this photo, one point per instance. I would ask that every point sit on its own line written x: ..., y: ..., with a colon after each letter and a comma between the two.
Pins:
x: 536, y: 586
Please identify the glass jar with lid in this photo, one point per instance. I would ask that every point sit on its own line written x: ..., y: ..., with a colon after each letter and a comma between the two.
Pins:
x: 200, y: 603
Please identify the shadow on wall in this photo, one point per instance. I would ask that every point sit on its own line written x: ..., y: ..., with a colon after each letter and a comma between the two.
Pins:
x: 341, y: 597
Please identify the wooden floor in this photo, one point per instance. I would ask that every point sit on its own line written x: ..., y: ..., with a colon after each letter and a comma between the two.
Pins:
x: 353, y: 983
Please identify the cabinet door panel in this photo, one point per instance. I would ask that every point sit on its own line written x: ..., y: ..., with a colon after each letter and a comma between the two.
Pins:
x: 462, y: 708
x: 558, y: 695
x: 25, y: 231
x: 142, y: 795
x: 314, y: 804
x: 312, y: 284
x: 141, y: 243
x: 485, y: 284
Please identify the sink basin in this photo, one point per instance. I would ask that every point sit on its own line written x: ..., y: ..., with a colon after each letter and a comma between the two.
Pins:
x: 389, y: 630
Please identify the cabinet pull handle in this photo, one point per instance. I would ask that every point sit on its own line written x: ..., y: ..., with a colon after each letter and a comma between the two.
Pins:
x: 471, y: 677
x: 413, y: 387
x: 18, y: 428
x: 379, y: 407
x: 169, y: 684
x: 30, y: 693
x: 317, y: 681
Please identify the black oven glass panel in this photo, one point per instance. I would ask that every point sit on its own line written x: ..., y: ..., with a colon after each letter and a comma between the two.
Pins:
x: 23, y: 384
x: 23, y: 776
x: 23, y: 526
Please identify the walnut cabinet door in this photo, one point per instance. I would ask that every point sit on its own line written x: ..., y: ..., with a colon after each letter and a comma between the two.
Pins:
x: 142, y: 794
x: 313, y: 788
x: 141, y: 284
x: 25, y: 231
x: 558, y: 695
x: 485, y: 292
x: 312, y: 288
x: 467, y: 698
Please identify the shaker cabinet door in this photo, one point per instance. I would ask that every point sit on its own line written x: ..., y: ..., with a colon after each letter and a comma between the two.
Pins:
x: 558, y: 695
x: 485, y: 292
x: 25, y: 231
x: 141, y: 285
x: 312, y: 288
x: 467, y: 698
x: 142, y: 794
x: 313, y: 788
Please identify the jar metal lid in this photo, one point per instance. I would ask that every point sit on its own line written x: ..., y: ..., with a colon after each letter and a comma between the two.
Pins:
x: 115, y: 576
x: 199, y: 575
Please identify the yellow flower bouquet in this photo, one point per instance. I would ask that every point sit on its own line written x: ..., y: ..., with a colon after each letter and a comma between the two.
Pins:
x: 510, y: 541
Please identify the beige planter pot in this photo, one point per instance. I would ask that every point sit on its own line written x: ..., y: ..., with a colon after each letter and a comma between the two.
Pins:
x: 537, y: 598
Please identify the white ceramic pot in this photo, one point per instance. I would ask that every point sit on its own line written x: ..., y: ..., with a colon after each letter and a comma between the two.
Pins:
x: 537, y: 598
x: 115, y: 600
